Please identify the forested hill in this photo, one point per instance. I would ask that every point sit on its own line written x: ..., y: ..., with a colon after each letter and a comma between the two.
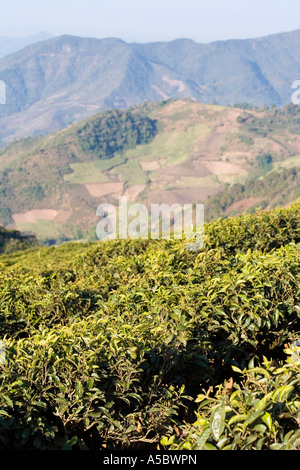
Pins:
x: 13, y: 240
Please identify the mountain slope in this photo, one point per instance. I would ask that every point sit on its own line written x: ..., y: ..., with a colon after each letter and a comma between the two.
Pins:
x: 256, y: 71
x: 67, y: 78
x: 175, y: 151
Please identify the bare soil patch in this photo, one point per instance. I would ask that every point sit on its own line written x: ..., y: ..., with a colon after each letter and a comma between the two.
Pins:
x: 174, y: 83
x: 41, y: 214
x: 243, y: 205
x: 105, y: 189
x: 181, y: 195
x: 223, y: 168
x: 193, y: 168
x: 150, y: 166
x: 132, y: 192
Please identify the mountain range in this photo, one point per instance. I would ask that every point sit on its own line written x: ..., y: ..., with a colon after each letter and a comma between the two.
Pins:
x: 10, y: 45
x: 51, y: 83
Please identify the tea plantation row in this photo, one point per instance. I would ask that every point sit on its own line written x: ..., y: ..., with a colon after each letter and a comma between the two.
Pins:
x: 145, y: 344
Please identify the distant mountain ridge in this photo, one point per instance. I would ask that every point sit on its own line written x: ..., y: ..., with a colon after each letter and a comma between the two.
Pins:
x: 68, y: 78
x: 10, y: 45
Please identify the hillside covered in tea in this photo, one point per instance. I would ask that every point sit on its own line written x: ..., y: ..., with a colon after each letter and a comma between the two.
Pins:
x: 144, y: 344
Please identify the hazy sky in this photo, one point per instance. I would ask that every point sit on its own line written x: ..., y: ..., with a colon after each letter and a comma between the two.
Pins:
x: 150, y: 20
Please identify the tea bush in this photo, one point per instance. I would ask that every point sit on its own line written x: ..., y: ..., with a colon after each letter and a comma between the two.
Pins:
x: 109, y: 344
x: 260, y: 413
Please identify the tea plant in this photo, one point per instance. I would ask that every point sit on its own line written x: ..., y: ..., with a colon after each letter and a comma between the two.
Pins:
x: 110, y: 344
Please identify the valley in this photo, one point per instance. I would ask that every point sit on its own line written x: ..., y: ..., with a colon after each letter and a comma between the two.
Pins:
x: 175, y: 151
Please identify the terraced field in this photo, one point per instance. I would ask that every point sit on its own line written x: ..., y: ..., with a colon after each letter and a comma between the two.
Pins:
x: 178, y: 151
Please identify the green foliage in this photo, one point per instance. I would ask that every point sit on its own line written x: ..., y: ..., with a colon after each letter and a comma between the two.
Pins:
x: 277, y: 119
x: 111, y: 343
x: 5, y: 215
x: 115, y: 131
x: 13, y: 240
x: 264, y: 162
x: 273, y: 189
x: 262, y: 231
x: 35, y: 192
x: 262, y: 412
